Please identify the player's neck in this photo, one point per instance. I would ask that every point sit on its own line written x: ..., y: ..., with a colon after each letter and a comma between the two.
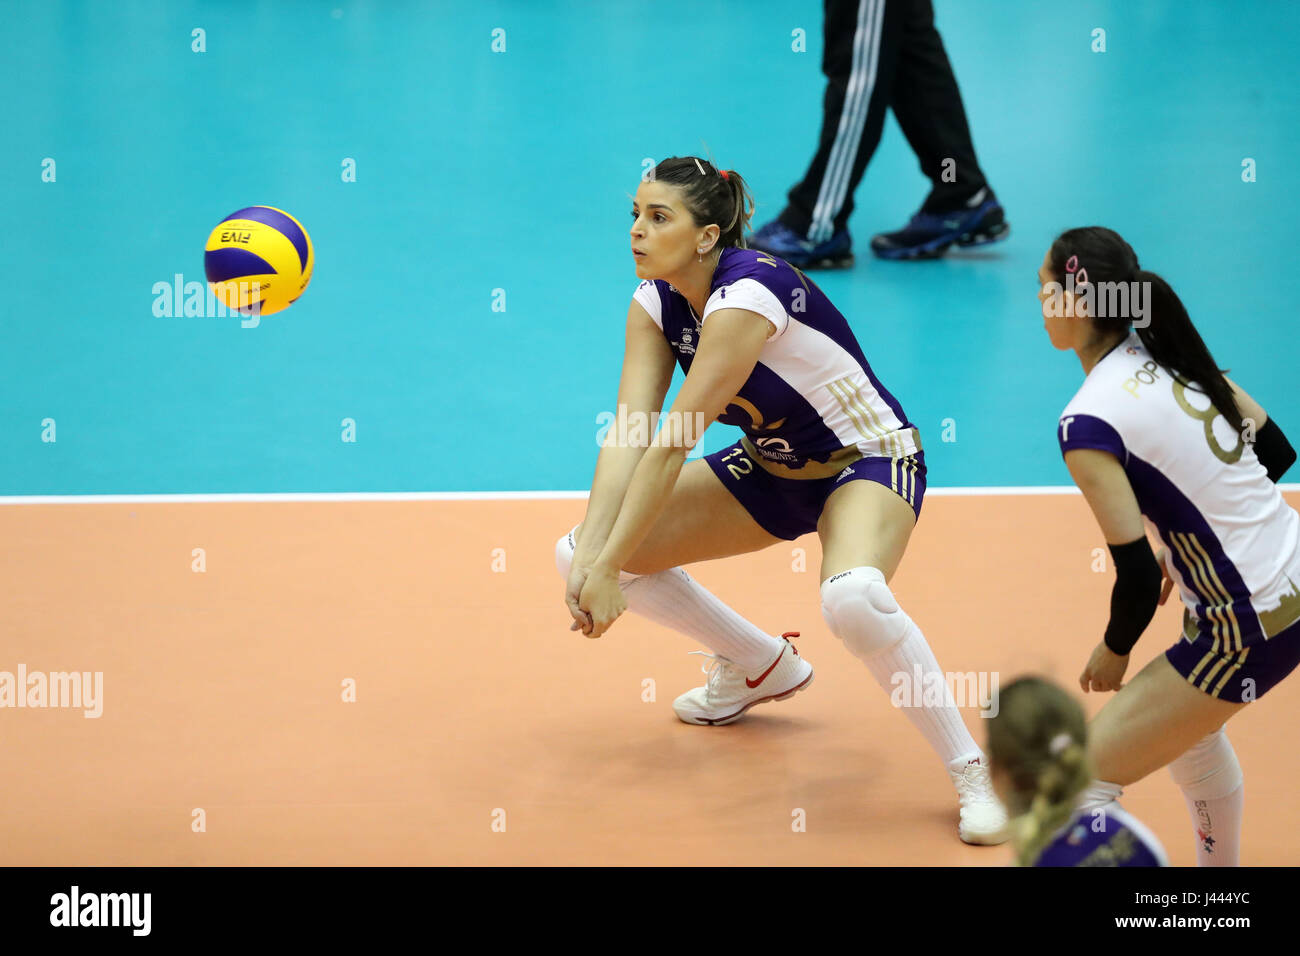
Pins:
x: 1092, y: 352
x: 696, y: 282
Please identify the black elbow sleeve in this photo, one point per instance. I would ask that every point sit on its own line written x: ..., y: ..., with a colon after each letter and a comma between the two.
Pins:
x: 1273, y: 450
x: 1136, y: 593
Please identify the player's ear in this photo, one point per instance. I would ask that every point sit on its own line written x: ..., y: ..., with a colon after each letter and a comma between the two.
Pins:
x: 1076, y: 306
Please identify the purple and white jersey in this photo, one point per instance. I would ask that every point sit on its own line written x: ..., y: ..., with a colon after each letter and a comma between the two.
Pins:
x: 812, y: 404
x: 1234, y: 542
x: 1106, y: 837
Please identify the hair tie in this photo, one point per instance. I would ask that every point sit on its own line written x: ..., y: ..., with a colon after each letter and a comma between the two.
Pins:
x: 724, y: 175
x: 1059, y: 743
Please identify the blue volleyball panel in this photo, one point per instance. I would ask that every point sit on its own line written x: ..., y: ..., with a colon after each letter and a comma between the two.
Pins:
x: 277, y: 220
x: 222, y: 265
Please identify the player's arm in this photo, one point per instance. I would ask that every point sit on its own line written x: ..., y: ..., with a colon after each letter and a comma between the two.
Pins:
x: 1136, y: 592
x: 728, y: 350
x: 1271, y: 447
x: 647, y: 372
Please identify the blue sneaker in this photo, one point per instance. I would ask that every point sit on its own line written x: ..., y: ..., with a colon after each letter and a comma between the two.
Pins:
x: 780, y: 240
x: 929, y: 235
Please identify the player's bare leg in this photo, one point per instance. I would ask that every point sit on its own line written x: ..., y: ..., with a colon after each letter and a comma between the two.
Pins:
x: 1160, y: 719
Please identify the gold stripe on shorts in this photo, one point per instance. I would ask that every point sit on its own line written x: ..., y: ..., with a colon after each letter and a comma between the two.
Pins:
x: 1220, y: 662
x: 1225, y: 599
x: 1209, y: 656
x: 1218, y: 627
x: 1241, y: 659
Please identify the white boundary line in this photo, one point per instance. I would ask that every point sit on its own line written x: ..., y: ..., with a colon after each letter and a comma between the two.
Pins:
x: 1005, y: 490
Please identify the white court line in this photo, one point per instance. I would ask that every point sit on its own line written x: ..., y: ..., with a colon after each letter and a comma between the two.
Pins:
x: 1004, y: 490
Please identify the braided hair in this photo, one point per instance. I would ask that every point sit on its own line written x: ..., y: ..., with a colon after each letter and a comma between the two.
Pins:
x: 1039, y: 740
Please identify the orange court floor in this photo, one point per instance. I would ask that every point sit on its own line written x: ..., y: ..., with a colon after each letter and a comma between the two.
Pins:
x: 483, y: 731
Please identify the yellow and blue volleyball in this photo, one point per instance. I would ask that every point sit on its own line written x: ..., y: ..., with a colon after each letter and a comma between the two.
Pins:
x: 258, y: 260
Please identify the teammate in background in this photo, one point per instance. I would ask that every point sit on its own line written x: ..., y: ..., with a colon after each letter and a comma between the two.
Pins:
x: 1038, y: 750
x: 1158, y: 434
x: 825, y: 448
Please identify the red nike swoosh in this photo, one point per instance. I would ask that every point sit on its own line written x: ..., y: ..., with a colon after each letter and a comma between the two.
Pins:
x: 751, y: 684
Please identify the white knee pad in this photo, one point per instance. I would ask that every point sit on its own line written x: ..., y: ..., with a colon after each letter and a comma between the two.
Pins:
x: 1209, y: 769
x: 564, y: 550
x: 861, y: 611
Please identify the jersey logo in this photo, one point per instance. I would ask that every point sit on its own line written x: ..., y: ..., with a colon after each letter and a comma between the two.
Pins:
x: 755, y: 416
x: 1065, y: 428
x: 773, y: 443
x: 687, y: 345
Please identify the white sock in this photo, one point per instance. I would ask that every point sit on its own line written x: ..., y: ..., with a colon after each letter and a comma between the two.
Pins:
x: 1210, y: 778
x: 1097, y: 795
x: 940, y: 723
x: 864, y: 614
x: 676, y: 600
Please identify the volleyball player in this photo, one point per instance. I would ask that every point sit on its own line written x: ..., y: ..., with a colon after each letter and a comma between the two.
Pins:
x: 1158, y: 434
x: 1039, y: 764
x: 825, y: 448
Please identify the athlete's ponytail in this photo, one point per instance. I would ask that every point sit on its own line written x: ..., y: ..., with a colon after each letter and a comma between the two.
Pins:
x: 1111, y: 269
x: 1175, y: 344
x: 1038, y: 746
x: 710, y: 197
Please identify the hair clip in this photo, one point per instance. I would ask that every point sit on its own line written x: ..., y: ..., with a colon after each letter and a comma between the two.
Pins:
x: 1059, y: 743
x: 1081, y: 275
x: 698, y: 166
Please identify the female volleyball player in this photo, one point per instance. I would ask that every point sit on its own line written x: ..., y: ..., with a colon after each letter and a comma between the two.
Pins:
x: 1157, y: 432
x: 825, y: 448
x: 1038, y: 752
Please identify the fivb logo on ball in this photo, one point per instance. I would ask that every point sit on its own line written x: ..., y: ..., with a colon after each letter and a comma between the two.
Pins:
x: 258, y: 261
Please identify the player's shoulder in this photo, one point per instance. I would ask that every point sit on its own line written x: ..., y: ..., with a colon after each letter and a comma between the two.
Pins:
x: 657, y: 297
x: 756, y: 282
x: 1108, y: 384
x: 738, y: 265
x: 655, y: 289
x: 1106, y: 837
x: 1147, y: 840
x: 1105, y: 401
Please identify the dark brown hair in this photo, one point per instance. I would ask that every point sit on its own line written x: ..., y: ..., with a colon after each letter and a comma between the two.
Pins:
x: 710, y: 197
x: 1169, y: 335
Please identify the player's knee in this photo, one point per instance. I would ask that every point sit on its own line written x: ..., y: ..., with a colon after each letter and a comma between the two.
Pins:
x: 861, y: 611
x: 1209, y: 767
x: 564, y: 550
